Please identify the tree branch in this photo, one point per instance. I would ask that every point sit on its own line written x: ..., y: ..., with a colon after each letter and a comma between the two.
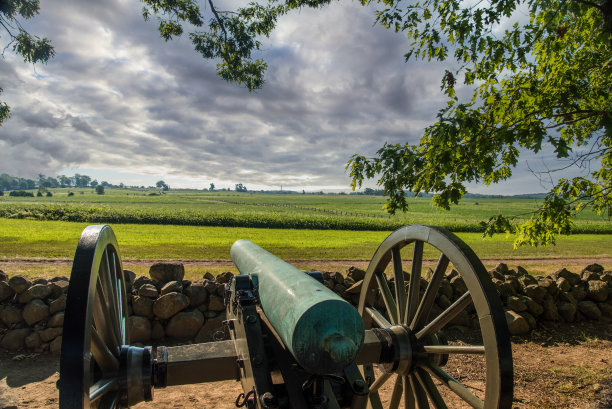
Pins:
x: 212, y: 7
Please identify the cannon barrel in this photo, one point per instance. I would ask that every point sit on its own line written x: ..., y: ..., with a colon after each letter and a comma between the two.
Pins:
x: 322, y: 331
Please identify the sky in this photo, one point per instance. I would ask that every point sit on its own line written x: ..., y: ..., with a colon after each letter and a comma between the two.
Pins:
x: 120, y: 104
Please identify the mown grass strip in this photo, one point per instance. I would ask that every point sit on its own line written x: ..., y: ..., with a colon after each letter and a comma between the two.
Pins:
x: 58, y: 239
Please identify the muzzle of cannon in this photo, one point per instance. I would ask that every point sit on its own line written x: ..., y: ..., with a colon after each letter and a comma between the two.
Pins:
x: 294, y: 343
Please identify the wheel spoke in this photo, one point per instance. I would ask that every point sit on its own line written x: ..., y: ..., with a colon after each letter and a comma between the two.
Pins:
x: 387, y: 297
x: 396, y: 396
x: 98, y: 389
x: 400, y: 286
x: 373, y: 396
x: 110, y: 299
x: 103, y: 356
x: 430, y: 388
x: 446, y: 316
x: 380, y: 382
x: 408, y: 394
x: 419, y: 393
x: 101, y: 316
x: 378, y: 318
x: 429, y: 297
x: 109, y: 401
x: 455, y: 349
x: 453, y: 385
x: 415, y: 282
x: 120, y: 311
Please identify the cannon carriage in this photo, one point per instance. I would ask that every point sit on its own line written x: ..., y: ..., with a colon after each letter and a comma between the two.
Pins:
x: 294, y: 343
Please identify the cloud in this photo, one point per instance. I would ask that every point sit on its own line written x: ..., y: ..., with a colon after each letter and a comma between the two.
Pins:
x: 117, y: 97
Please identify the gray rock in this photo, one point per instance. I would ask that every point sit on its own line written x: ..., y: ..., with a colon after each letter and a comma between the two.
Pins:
x: 496, y: 274
x: 19, y: 283
x: 567, y: 297
x: 197, y: 294
x: 550, y: 309
x: 210, y: 327
x: 535, y: 292
x: 140, y: 329
x: 505, y: 289
x: 589, y: 309
x: 215, y: 303
x: 578, y: 293
x: 49, y: 334
x: 208, y: 276
x: 35, y: 292
x: 143, y: 306
x: 514, y: 282
x: 572, y: 278
x: 446, y: 288
x: 11, y: 315
x: 55, y: 347
x: 355, y: 288
x: 5, y: 291
x: 594, y: 268
x: 339, y: 289
x: 157, y: 330
x: 355, y: 273
x: 42, y: 281
x: 58, y: 305
x: 517, y: 324
x: 516, y: 304
x: 33, y: 341
x: 533, y: 307
x: 459, y: 286
x: 530, y: 319
x: 169, y: 304
x: 35, y: 311
x: 56, y: 320
x: 58, y: 288
x: 14, y: 339
x: 443, y: 302
x: 129, y: 275
x: 549, y: 285
x: 606, y: 309
x: 567, y: 311
x: 597, y: 291
x: 606, y: 276
x: 502, y: 268
x: 3, y: 276
x: 148, y: 290
x: 220, y: 290
x: 525, y: 280
x: 348, y: 282
x: 563, y: 284
x: 224, y: 277
x: 140, y: 281
x: 209, y: 314
x: 171, y: 287
x: 185, y: 325
x: 210, y: 286
x: 520, y: 271
x: 166, y: 272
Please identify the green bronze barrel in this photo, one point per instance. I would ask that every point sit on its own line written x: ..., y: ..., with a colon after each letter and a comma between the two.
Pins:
x: 322, y: 331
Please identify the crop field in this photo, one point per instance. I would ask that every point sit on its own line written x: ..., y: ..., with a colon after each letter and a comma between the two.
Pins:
x: 233, y: 209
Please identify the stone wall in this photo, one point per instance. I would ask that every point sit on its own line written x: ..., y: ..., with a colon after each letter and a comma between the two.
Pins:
x: 166, y: 309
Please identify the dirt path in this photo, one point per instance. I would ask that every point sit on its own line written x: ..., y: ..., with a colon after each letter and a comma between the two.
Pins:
x: 557, y: 367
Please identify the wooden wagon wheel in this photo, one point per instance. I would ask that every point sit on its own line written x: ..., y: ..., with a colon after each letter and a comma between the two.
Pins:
x: 408, y: 318
x: 97, y: 367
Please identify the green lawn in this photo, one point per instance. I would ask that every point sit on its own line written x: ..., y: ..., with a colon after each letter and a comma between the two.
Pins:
x: 57, y: 239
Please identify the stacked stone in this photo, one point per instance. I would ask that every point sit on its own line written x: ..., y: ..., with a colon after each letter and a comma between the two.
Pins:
x: 165, y: 308
x: 32, y: 313
x: 562, y: 296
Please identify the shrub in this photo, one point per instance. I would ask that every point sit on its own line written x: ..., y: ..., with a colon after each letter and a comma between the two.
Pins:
x: 70, y: 194
x: 1, y: 192
x: 39, y: 194
x: 49, y: 194
x: 100, y: 189
x: 21, y: 193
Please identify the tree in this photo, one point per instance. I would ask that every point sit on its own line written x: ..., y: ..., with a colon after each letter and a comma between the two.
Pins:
x: 100, y: 189
x: 212, y: 187
x: 33, y: 49
x: 162, y: 185
x: 541, y: 84
x: 94, y: 183
x: 240, y: 187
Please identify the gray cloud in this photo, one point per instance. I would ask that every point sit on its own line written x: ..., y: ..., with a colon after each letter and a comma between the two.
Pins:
x: 116, y: 96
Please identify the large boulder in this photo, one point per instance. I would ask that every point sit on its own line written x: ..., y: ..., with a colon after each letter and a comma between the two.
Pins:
x: 55, y: 347
x: 517, y: 324
x: 50, y: 334
x: 10, y: 315
x: 215, y: 303
x: 5, y: 291
x: 33, y: 341
x: 567, y: 311
x: 140, y: 329
x: 550, y: 309
x: 572, y: 278
x: 143, y: 306
x: 148, y: 290
x: 58, y: 288
x: 35, y: 292
x: 140, y: 281
x: 197, y: 294
x: 165, y: 272
x: 35, y: 311
x: 355, y: 273
x: 14, y: 339
x: 597, y: 290
x: 19, y: 283
x: 169, y: 304
x: 185, y: 325
x: 58, y: 305
x: 516, y: 304
x: 589, y: 309
x: 212, y: 330
x: 56, y: 320
x: 3, y: 276
x: 535, y: 292
x: 172, y: 287
x: 224, y: 277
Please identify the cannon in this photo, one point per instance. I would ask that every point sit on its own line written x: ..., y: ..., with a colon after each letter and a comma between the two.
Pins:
x: 294, y: 343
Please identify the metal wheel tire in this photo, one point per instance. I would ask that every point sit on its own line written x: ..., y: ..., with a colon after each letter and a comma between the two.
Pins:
x: 409, y: 317
x: 95, y: 325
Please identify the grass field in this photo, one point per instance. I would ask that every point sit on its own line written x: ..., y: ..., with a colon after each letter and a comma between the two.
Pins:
x: 337, y: 212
